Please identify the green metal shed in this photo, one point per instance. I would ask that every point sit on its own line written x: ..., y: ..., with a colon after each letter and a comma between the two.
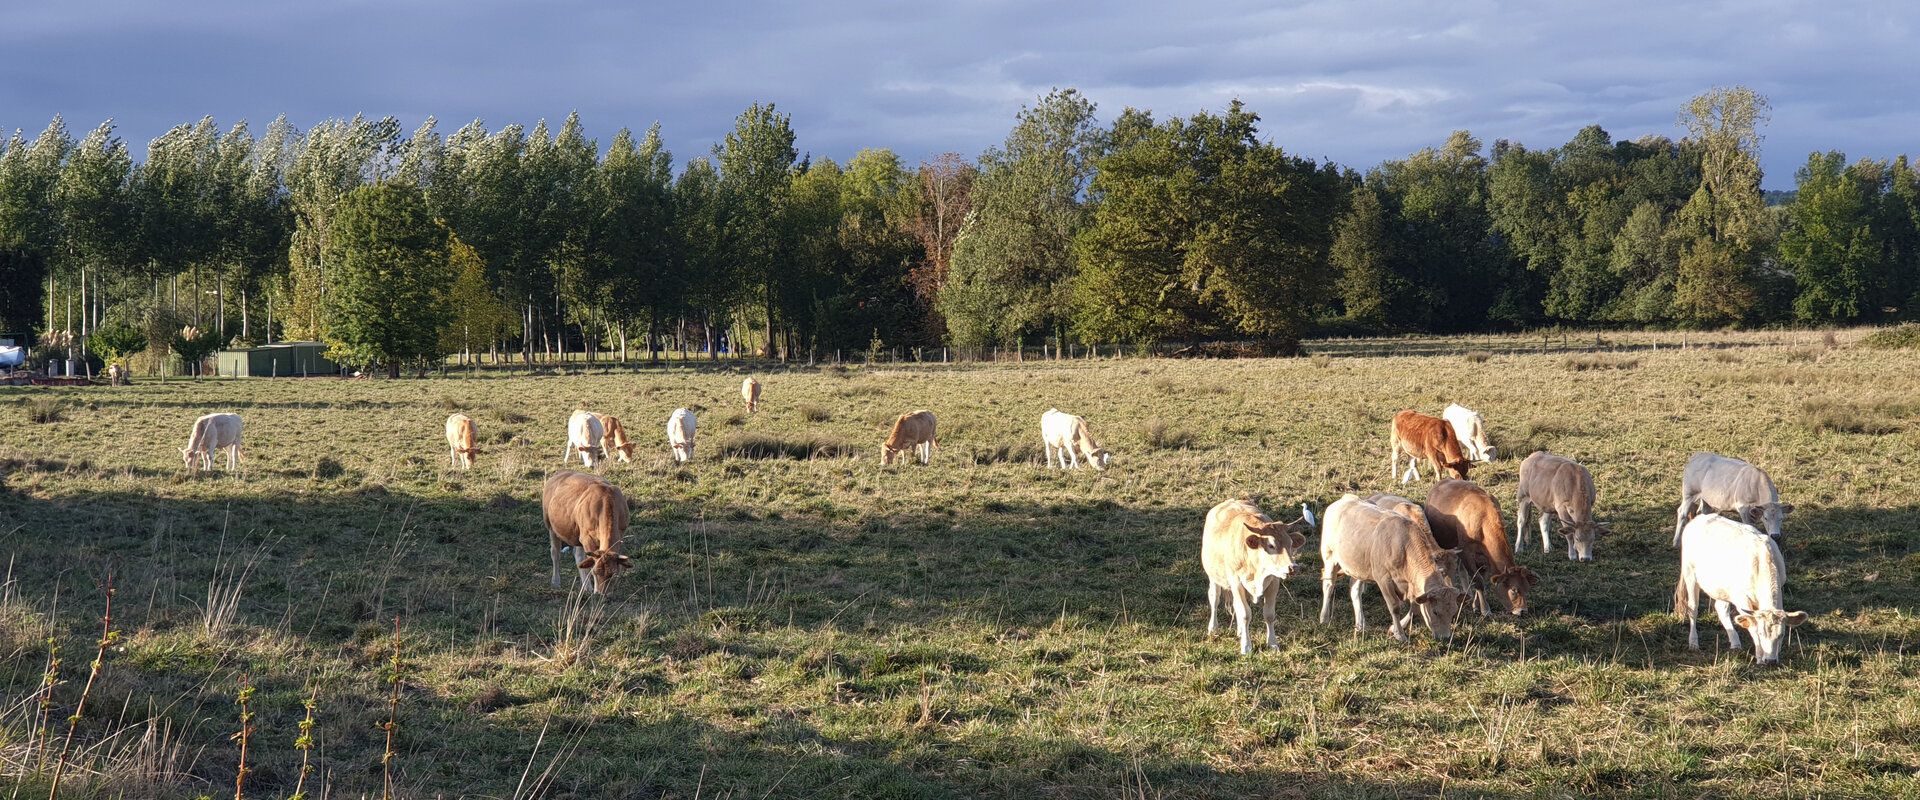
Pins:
x: 278, y: 360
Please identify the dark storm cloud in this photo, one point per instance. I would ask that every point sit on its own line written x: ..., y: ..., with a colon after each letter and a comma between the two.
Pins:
x: 1356, y: 82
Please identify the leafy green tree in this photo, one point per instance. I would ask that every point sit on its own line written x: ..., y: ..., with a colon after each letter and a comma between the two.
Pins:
x: 943, y: 203
x: 95, y: 217
x: 117, y: 343
x: 29, y: 233
x: 1363, y: 258
x: 193, y: 345
x: 391, y: 284
x: 480, y: 318
x: 756, y: 165
x: 1013, y: 264
x: 1725, y: 224
x: 633, y: 245
x: 1829, y: 243
x: 332, y: 160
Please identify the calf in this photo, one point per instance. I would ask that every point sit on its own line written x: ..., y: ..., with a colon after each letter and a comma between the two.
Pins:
x: 584, y: 433
x: 1464, y: 517
x: 1063, y: 435
x: 680, y: 430
x: 588, y: 514
x: 912, y: 431
x: 1563, y: 488
x: 1719, y: 483
x: 1471, y: 430
x: 750, y: 392
x: 1245, y: 555
x: 1368, y: 543
x: 213, y: 432
x: 1431, y: 438
x: 460, y: 441
x: 613, y: 440
x: 1740, y: 568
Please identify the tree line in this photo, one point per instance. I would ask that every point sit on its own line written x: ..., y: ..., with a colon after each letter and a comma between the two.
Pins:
x: 408, y: 249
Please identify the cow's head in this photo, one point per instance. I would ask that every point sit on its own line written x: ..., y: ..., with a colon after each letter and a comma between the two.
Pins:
x: 1769, y: 631
x: 1459, y: 468
x: 606, y: 566
x: 1580, y: 536
x: 186, y: 458
x: 887, y: 454
x: 1273, y: 546
x: 1099, y: 458
x: 1438, y: 607
x: 1765, y: 516
x: 1513, y: 585
x: 1489, y: 453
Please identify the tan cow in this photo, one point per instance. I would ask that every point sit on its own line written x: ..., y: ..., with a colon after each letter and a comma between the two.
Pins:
x: 1245, y: 555
x: 1740, y: 568
x: 1368, y: 543
x: 613, y: 439
x: 1462, y: 516
x: 213, y: 432
x: 461, y: 441
x: 1065, y: 435
x: 913, y: 431
x: 750, y: 392
x: 1431, y: 438
x: 583, y: 436
x: 1563, y: 488
x: 589, y: 515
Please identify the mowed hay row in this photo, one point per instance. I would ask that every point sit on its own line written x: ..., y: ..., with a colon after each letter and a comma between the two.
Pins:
x: 802, y: 622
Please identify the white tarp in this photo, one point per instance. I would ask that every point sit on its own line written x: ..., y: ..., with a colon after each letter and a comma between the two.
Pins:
x: 12, y: 356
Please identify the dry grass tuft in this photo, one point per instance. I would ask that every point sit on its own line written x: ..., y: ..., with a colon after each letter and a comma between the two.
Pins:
x: 1477, y: 356
x: 1902, y: 337
x: 813, y: 413
x: 1598, y: 361
x: 42, y: 410
x: 1160, y: 435
x: 802, y: 447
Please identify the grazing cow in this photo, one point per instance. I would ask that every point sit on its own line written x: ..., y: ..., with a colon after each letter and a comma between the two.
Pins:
x: 1431, y: 438
x: 213, y: 432
x: 1246, y: 555
x: 613, y: 440
x: 750, y: 392
x: 1561, y: 487
x: 680, y: 428
x: 588, y: 514
x: 1719, y: 483
x: 1402, y: 506
x: 584, y: 433
x: 1740, y: 568
x: 1368, y: 543
x: 1464, y: 517
x: 1064, y: 435
x: 461, y: 441
x: 913, y: 431
x: 1471, y: 430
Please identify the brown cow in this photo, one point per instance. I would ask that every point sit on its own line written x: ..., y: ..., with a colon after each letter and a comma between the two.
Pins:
x: 1563, y: 488
x: 1245, y: 555
x: 588, y: 514
x: 1431, y: 438
x: 913, y: 431
x: 750, y: 392
x: 613, y: 438
x: 1463, y: 516
x: 1368, y: 543
x: 460, y: 441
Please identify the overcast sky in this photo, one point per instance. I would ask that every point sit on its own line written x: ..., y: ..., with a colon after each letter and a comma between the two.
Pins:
x: 1354, y: 81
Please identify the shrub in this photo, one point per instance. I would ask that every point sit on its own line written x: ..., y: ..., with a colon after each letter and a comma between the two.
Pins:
x: 1903, y: 337
x: 1587, y: 361
x: 1477, y: 356
x: 42, y: 410
x: 812, y: 413
x: 1804, y: 355
x: 327, y: 467
x: 800, y: 448
x: 1161, y: 436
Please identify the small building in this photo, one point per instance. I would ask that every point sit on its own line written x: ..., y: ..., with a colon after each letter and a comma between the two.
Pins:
x: 277, y: 360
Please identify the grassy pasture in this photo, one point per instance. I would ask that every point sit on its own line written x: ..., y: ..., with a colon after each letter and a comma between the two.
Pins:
x: 803, y: 623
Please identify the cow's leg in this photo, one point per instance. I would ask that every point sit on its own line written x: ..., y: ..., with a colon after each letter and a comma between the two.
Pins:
x: 1520, y: 524
x: 1359, y: 614
x: 1049, y: 449
x: 1690, y: 603
x: 586, y: 575
x: 553, y: 550
x: 1545, y: 548
x: 1389, y: 594
x: 1241, y: 614
x: 1266, y: 608
x: 1724, y: 609
x: 1213, y: 607
x: 1681, y: 516
x: 1326, y: 595
x: 1071, y: 458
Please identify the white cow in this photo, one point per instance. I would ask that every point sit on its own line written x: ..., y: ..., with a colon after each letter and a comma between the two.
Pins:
x: 1472, y: 432
x: 1245, y: 556
x: 213, y: 432
x: 680, y: 428
x: 584, y: 433
x: 1740, y: 568
x: 1719, y: 483
x: 1066, y: 438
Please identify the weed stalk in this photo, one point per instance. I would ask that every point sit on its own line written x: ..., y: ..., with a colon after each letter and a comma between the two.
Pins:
x: 393, y: 714
x: 305, y: 745
x: 246, y: 732
x: 108, y: 636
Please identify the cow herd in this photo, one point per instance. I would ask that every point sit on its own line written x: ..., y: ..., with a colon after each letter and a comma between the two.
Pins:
x: 1427, y: 557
